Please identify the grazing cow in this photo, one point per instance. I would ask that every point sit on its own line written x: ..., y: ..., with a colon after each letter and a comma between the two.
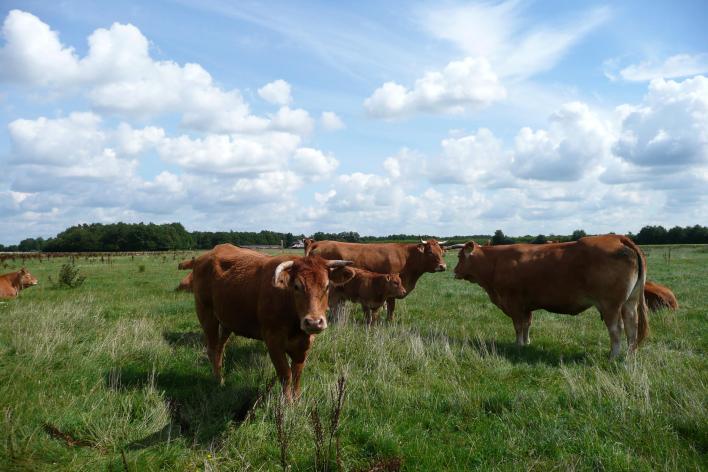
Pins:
x: 370, y: 289
x: 659, y: 296
x: 410, y: 261
x: 12, y: 283
x: 281, y: 300
x: 608, y: 272
x: 185, y: 285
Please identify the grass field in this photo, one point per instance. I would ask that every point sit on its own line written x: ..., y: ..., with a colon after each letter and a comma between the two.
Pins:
x: 113, y: 376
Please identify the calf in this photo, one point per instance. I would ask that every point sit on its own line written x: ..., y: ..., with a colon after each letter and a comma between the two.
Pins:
x: 11, y: 284
x: 370, y: 289
x: 281, y: 300
x: 659, y: 297
x: 608, y: 272
x: 410, y: 261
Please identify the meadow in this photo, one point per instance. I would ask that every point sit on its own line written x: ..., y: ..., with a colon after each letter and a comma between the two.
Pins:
x: 113, y: 375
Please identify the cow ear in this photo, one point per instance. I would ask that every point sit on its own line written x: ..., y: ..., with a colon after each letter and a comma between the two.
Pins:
x: 468, y: 250
x: 388, y: 278
x: 340, y: 275
x: 421, y: 247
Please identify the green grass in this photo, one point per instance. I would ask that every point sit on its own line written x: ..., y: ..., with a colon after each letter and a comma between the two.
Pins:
x: 114, y: 374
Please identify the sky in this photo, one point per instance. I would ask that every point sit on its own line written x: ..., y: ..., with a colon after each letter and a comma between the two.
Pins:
x: 533, y: 117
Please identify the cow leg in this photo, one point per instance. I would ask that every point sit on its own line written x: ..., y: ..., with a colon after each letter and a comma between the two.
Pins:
x: 390, y: 306
x: 612, y: 320
x: 218, y: 360
x: 375, y: 314
x: 631, y: 322
x: 367, y: 315
x: 526, y: 324
x: 519, y: 328
x: 297, y: 366
x: 276, y: 351
x: 210, y: 326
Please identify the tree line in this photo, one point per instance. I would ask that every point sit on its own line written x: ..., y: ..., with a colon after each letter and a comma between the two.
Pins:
x: 122, y: 237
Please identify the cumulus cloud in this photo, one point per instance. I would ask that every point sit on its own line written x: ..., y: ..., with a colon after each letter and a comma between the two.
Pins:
x: 477, y: 158
x: 331, y: 121
x: 669, y: 128
x: 314, y: 163
x: 119, y: 76
x: 276, y: 92
x: 469, y: 84
x: 576, y: 139
x: 679, y: 65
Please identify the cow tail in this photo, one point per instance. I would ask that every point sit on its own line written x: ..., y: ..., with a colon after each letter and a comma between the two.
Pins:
x: 642, y: 309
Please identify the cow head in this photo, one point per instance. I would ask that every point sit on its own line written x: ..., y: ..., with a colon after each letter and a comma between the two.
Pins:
x: 26, y: 279
x: 465, y: 268
x: 308, y: 279
x: 394, y: 286
x: 433, y: 255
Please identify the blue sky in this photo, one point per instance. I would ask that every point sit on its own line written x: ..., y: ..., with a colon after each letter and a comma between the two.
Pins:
x: 417, y: 117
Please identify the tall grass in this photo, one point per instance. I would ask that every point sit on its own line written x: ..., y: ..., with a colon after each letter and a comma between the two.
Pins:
x: 114, y: 373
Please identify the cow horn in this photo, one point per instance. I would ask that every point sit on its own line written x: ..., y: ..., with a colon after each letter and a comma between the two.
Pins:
x: 442, y: 242
x: 456, y: 246
x: 338, y: 263
x: 423, y: 241
x: 281, y: 267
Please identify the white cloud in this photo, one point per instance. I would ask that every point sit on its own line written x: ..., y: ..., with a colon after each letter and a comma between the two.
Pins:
x: 230, y: 155
x: 476, y: 158
x: 469, y: 84
x: 331, y: 121
x: 276, y: 92
x: 576, y: 140
x: 670, y: 127
x: 119, y: 76
x: 314, y: 163
x: 502, y: 33
x: 679, y: 65
x: 295, y: 120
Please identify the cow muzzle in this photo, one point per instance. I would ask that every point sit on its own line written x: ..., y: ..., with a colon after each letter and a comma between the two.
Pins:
x: 441, y: 268
x: 313, y: 324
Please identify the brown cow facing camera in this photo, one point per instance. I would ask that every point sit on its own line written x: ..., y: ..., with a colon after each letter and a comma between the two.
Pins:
x: 608, y: 272
x: 370, y: 289
x: 11, y: 284
x: 281, y: 300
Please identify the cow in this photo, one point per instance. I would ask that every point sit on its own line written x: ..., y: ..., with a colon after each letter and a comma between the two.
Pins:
x: 410, y: 261
x: 185, y: 284
x: 280, y: 300
x: 11, y: 284
x: 608, y: 272
x: 370, y: 289
x: 659, y: 296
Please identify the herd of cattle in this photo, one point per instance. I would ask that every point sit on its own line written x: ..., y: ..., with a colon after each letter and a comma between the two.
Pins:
x: 283, y: 300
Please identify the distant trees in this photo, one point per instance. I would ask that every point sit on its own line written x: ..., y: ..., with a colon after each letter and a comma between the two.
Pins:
x: 577, y: 234
x: 173, y: 236
x: 500, y: 238
x: 696, y: 234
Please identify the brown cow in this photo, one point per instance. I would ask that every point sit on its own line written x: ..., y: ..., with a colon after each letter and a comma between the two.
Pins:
x: 185, y: 285
x: 307, y: 242
x: 281, y: 300
x: 608, y: 272
x: 370, y: 289
x: 12, y: 283
x: 410, y: 261
x: 659, y: 296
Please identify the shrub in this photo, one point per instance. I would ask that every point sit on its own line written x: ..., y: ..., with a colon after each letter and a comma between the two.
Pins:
x: 69, y: 277
x: 141, y: 268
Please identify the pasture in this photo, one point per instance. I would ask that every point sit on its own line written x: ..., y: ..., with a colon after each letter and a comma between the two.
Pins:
x: 112, y: 375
